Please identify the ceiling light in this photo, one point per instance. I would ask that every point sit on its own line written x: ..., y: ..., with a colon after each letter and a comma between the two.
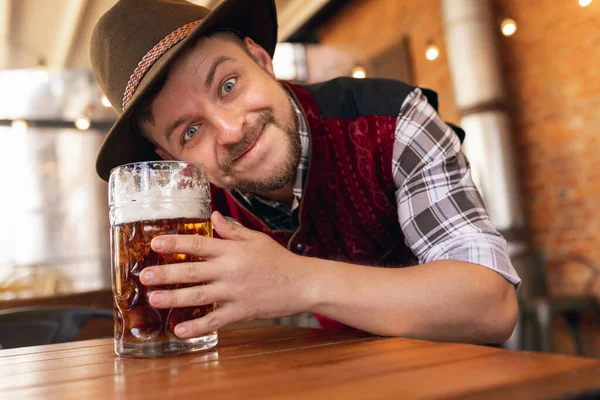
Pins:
x: 585, y: 3
x: 359, y: 72
x: 508, y: 27
x: 106, y: 102
x: 432, y: 52
x: 42, y: 70
x: 82, y: 123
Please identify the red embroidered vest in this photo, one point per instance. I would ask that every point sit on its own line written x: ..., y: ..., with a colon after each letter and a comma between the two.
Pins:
x: 348, y: 209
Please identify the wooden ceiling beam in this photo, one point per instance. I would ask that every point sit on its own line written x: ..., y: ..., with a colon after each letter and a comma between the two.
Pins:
x: 73, y: 16
x: 210, y: 4
x: 5, y: 11
x: 295, y: 14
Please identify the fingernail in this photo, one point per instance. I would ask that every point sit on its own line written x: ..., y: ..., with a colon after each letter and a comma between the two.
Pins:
x: 157, y: 298
x: 158, y: 243
x: 220, y: 217
x: 180, y: 331
x: 148, y: 276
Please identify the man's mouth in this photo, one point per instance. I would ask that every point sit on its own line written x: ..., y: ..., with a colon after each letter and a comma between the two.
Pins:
x: 250, y: 146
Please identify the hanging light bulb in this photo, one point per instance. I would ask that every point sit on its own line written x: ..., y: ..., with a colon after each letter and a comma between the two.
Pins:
x: 106, y: 102
x: 42, y: 70
x: 41, y: 64
x: 359, y: 72
x: 432, y: 52
x: 82, y: 123
x: 508, y: 26
x: 585, y: 3
x: 19, y: 125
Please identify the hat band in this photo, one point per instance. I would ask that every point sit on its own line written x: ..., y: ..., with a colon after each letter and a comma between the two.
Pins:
x: 154, y: 54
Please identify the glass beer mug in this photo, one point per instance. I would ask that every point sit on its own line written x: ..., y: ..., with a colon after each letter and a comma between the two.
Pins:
x: 146, y: 200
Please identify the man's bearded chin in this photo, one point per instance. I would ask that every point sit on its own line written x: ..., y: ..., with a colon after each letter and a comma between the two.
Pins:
x: 283, y: 174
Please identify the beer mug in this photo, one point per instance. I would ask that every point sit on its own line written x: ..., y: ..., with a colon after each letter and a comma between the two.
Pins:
x: 150, y: 199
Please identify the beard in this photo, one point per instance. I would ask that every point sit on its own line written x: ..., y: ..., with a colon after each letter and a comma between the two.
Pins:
x: 283, y: 174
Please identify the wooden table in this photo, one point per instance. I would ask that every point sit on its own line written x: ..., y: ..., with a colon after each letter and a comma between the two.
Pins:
x: 281, y: 362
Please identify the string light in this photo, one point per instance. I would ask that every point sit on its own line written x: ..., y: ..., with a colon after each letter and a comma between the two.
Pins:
x: 19, y: 125
x: 432, y: 52
x: 359, y: 72
x: 508, y: 27
x: 82, y: 123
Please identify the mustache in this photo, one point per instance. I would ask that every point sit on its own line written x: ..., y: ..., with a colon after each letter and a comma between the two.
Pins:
x: 251, y: 133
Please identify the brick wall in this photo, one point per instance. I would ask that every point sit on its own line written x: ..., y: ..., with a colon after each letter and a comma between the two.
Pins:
x: 552, y: 73
x: 369, y: 27
x: 551, y: 69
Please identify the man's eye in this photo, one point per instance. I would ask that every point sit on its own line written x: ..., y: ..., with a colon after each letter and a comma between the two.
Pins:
x: 189, y: 133
x: 227, y: 86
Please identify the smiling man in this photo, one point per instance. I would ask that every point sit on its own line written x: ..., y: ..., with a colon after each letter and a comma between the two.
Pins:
x: 257, y: 148
x: 356, y: 202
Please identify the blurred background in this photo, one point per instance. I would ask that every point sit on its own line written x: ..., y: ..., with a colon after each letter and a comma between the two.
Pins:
x: 521, y: 77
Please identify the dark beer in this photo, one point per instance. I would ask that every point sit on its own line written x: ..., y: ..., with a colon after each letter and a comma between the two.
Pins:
x: 149, y: 199
x: 136, y: 321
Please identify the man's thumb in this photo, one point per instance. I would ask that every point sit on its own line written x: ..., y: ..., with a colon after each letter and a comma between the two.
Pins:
x: 228, y: 228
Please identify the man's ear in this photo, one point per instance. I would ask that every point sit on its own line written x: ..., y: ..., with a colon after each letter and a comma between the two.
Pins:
x: 164, y: 155
x: 260, y: 55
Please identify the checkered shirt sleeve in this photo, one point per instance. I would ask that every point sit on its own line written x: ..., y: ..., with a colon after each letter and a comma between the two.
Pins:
x: 440, y: 210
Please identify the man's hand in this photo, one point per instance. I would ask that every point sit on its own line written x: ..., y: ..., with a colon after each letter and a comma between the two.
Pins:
x: 246, y: 272
x: 251, y: 277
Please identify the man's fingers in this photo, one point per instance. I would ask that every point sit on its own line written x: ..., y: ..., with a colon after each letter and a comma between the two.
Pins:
x: 196, y: 245
x: 200, y: 295
x: 217, y: 319
x: 189, y: 272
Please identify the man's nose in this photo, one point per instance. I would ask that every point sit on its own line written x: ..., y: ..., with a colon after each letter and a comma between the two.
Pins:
x: 229, y: 127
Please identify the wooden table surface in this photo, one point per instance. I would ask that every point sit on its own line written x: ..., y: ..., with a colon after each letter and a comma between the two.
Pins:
x: 282, y: 362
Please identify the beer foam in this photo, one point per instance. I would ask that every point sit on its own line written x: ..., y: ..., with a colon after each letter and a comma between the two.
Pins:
x: 146, y: 194
x: 149, y: 211
x: 158, y: 203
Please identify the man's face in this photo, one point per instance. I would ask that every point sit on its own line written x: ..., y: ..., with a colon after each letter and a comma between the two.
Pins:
x: 224, y: 110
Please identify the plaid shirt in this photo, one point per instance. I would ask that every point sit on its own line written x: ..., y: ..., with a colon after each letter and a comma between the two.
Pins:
x: 439, y: 208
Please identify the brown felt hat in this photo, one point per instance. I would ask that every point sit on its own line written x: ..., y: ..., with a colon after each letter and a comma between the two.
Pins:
x: 136, y: 40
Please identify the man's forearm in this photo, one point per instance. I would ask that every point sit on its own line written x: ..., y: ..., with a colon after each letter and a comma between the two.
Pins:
x: 441, y: 300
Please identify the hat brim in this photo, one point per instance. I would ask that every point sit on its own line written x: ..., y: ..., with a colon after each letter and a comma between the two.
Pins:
x: 123, y: 145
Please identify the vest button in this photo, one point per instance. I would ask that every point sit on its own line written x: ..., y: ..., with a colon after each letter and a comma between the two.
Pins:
x: 299, y: 248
